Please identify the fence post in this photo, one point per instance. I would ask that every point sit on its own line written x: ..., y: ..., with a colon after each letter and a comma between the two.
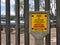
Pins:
x: 17, y: 13
x: 0, y: 22
x: 37, y: 41
x: 7, y: 22
x: 58, y: 22
x: 36, y: 3
x: 47, y: 8
x: 26, y: 21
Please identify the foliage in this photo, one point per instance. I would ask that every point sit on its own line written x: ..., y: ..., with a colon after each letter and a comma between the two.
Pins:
x: 12, y: 17
x: 21, y: 4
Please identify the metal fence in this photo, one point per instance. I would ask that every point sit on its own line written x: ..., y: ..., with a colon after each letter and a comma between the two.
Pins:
x: 26, y: 21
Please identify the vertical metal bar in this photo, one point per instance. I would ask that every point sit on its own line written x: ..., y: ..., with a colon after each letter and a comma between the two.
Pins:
x: 36, y: 3
x: 47, y: 8
x: 7, y: 22
x: 17, y: 13
x: 38, y: 41
x: 58, y: 22
x: 26, y: 19
x: 0, y: 22
x: 47, y: 5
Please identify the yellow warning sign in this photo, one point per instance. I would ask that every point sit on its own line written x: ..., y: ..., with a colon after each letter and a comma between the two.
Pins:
x: 39, y: 22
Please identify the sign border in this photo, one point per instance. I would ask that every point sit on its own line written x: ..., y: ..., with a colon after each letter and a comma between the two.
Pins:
x: 42, y: 34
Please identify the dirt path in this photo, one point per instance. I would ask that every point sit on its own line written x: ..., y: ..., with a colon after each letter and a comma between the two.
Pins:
x: 32, y: 42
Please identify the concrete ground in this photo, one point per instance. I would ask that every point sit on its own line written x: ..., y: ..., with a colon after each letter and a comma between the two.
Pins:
x: 32, y: 41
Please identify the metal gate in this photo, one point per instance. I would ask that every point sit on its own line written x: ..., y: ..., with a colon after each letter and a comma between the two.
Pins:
x: 26, y: 22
